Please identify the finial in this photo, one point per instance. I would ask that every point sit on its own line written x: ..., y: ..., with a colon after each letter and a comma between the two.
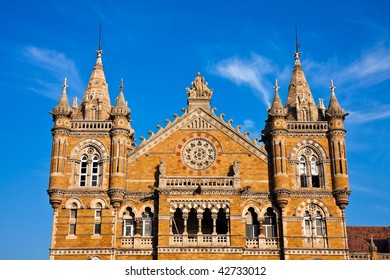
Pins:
x: 297, y: 54
x: 65, y: 85
x: 276, y: 87
x: 332, y: 87
x: 99, y: 50
x: 121, y: 85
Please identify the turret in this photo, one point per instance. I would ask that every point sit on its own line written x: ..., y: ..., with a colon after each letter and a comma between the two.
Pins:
x: 335, y: 116
x: 121, y: 140
x: 61, y: 118
x: 276, y: 146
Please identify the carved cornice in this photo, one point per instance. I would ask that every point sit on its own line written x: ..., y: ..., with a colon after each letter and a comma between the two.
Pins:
x: 89, y: 134
x: 311, y: 193
x: 341, y: 192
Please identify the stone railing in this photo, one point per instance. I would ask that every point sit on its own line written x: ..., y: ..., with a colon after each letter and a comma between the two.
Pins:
x: 200, y: 240
x: 137, y: 242
x: 262, y: 242
x: 86, y: 125
x: 307, y: 126
x: 315, y: 242
x: 204, y: 182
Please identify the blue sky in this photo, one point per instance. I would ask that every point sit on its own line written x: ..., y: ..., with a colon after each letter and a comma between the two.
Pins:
x: 157, y: 47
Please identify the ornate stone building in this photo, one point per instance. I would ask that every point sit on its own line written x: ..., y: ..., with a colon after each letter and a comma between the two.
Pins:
x: 198, y: 188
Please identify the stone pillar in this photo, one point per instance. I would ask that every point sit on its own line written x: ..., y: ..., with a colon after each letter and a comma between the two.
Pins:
x: 200, y: 216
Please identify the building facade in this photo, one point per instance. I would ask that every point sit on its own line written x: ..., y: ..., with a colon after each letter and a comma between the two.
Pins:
x: 198, y: 188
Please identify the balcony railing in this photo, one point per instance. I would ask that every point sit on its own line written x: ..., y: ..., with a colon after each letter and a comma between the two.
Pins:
x: 200, y: 240
x: 262, y: 242
x: 204, y: 182
x: 137, y: 242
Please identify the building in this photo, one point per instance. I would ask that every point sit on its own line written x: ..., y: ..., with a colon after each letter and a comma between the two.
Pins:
x: 199, y: 188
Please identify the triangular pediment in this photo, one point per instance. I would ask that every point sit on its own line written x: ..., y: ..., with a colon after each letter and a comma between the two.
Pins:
x: 201, y: 120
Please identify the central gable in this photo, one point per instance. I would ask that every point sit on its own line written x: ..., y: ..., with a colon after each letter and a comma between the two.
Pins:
x: 199, y: 120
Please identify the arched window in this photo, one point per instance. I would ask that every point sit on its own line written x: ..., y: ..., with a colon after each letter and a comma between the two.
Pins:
x: 95, y: 171
x: 270, y: 223
x: 147, y: 222
x: 307, y: 224
x: 302, y: 171
x: 128, y: 222
x: 83, y: 171
x: 90, y: 170
x: 207, y: 222
x: 252, y: 223
x: 73, y: 219
x: 98, y: 219
x: 315, y: 178
x: 320, y: 224
x: 178, y: 222
x: 310, y: 171
x: 222, y: 222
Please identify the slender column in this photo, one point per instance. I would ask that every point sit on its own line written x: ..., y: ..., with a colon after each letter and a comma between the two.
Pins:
x: 199, y: 216
x: 261, y: 227
x: 170, y: 225
x: 214, y: 216
x: 185, y: 218
x: 138, y: 226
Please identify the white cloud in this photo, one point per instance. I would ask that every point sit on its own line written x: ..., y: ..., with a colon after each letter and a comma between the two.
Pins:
x: 372, y: 114
x: 250, y: 72
x: 251, y: 127
x: 56, y: 67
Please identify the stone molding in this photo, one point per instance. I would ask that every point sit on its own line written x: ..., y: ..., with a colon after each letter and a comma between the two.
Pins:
x: 203, y: 250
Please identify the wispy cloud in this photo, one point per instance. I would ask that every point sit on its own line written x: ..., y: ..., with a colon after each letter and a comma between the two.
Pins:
x: 251, y: 72
x: 251, y: 127
x: 372, y: 114
x: 56, y: 67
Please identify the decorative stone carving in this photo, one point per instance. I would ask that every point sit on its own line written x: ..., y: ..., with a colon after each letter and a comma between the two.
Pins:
x: 162, y: 168
x: 199, y: 88
x: 199, y: 153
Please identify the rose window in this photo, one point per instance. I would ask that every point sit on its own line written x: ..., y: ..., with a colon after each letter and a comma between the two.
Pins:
x: 198, y: 154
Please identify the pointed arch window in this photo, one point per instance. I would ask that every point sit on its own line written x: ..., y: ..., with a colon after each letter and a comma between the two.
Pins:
x: 307, y: 224
x: 178, y: 222
x: 315, y: 178
x: 72, y: 219
x: 310, y: 170
x: 320, y: 224
x: 270, y: 223
x: 98, y: 219
x: 90, y: 170
x: 303, y: 171
x: 95, y: 171
x: 83, y: 171
x: 252, y: 223
x: 147, y: 222
x: 128, y: 222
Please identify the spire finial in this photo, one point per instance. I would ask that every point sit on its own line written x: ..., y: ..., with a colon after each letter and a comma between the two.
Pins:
x: 297, y: 54
x: 121, y: 85
x: 332, y: 87
x: 65, y: 85
x: 99, y: 50
x: 276, y: 87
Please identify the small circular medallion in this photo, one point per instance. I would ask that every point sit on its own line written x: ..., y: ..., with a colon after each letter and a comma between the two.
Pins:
x: 59, y: 122
x: 198, y: 153
x: 277, y: 123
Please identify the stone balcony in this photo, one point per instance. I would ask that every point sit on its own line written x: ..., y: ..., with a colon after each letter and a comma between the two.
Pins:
x: 225, y: 183
x: 262, y: 243
x: 136, y: 242
x: 200, y: 240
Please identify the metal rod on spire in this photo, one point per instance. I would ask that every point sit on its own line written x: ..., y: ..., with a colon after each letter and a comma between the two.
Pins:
x: 100, y: 37
x: 296, y: 40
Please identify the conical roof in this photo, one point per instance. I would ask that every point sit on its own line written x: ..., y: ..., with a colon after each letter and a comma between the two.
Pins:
x: 63, y: 107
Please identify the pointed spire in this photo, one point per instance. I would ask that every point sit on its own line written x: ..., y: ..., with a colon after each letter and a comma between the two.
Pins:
x: 300, y: 103
x: 62, y: 107
x: 334, y: 109
x: 120, y: 108
x: 96, y: 97
x: 372, y: 246
x: 277, y: 108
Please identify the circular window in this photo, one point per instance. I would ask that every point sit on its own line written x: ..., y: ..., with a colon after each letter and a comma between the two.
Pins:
x: 198, y: 153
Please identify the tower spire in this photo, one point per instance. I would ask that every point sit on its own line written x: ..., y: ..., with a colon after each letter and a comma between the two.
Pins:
x: 100, y: 38
x: 334, y: 108
x: 62, y: 107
